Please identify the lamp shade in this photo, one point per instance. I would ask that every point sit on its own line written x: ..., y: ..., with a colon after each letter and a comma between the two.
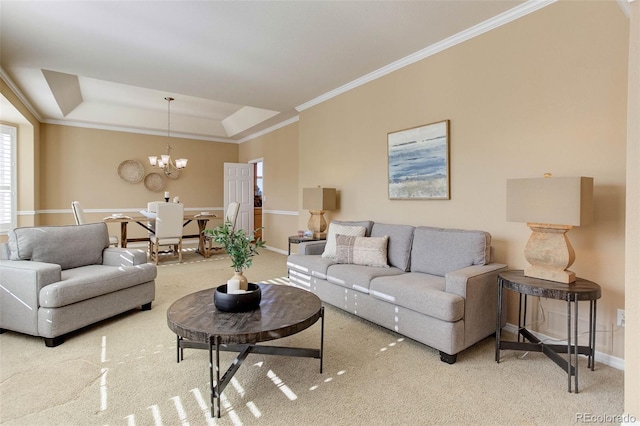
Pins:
x: 550, y: 200
x: 319, y: 198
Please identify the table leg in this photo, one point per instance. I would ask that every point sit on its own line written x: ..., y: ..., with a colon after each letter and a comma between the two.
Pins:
x: 569, y: 341
x: 202, y: 224
x: 575, y: 326
x: 321, y: 336
x: 592, y: 333
x: 499, y: 320
x: 215, y: 389
x: 123, y: 234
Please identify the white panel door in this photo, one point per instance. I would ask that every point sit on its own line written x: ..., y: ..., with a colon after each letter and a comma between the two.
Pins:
x: 238, y: 186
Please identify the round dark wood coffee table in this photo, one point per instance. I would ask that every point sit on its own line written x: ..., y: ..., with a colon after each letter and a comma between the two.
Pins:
x: 283, y: 311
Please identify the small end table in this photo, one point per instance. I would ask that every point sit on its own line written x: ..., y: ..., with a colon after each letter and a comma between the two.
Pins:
x: 294, y: 239
x: 580, y: 290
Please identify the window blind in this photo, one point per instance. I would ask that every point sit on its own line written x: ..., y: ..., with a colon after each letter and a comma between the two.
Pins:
x: 7, y: 178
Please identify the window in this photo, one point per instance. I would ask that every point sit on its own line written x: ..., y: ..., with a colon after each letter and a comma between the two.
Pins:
x: 8, y: 180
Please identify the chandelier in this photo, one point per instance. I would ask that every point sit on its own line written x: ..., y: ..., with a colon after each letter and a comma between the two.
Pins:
x: 165, y: 162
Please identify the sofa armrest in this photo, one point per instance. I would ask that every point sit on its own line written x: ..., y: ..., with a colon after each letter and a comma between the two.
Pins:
x: 20, y: 285
x: 312, y: 247
x: 114, y: 256
x: 478, y: 285
x: 4, y: 251
x: 457, y: 282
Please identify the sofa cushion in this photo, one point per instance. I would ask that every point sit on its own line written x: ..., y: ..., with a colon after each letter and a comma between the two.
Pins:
x: 310, y: 264
x: 69, y: 246
x: 80, y: 284
x: 368, y: 251
x: 438, y: 251
x: 335, y: 229
x: 419, y: 292
x: 399, y: 246
x: 357, y: 277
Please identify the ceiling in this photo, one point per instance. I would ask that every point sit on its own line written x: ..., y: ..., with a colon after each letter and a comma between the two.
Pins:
x: 234, y: 68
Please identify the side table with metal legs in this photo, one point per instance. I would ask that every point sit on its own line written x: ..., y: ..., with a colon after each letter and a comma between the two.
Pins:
x: 580, y: 290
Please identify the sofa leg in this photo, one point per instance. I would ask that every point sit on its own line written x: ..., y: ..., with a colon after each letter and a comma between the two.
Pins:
x: 146, y: 307
x: 449, y: 359
x: 2, y: 330
x: 52, y: 342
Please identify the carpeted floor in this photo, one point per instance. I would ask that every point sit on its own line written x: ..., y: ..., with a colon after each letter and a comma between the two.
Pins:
x: 124, y: 372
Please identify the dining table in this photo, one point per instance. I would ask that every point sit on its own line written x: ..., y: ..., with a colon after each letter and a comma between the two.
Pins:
x: 145, y: 222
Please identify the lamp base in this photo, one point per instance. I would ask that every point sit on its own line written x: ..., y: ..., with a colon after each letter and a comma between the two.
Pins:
x: 320, y: 235
x: 565, y: 276
x: 317, y: 223
x: 550, y: 253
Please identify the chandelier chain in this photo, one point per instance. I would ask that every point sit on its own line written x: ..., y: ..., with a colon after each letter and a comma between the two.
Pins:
x: 165, y: 162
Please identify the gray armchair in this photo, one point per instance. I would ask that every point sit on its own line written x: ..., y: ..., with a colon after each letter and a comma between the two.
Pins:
x: 58, y: 279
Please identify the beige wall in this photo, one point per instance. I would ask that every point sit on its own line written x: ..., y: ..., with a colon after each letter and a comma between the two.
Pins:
x: 632, y: 288
x: 279, y: 152
x: 82, y: 164
x: 522, y: 101
x: 28, y: 157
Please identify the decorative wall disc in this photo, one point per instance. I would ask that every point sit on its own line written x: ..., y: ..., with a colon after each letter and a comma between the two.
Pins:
x: 155, y: 182
x: 131, y: 171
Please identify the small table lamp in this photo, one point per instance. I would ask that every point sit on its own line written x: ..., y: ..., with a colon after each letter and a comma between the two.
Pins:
x: 551, y: 207
x: 317, y: 201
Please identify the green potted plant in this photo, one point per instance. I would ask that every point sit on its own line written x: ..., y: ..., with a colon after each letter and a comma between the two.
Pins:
x: 239, y: 245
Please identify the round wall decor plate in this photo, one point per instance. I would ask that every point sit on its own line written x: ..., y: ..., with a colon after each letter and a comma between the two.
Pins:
x: 155, y: 182
x: 131, y: 171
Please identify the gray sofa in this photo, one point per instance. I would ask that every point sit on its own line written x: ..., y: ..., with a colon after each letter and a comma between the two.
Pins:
x: 438, y: 286
x: 58, y: 279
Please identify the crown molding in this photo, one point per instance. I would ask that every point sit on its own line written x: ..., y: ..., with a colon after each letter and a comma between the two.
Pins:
x: 270, y: 129
x: 19, y: 95
x: 488, y: 25
x: 136, y: 130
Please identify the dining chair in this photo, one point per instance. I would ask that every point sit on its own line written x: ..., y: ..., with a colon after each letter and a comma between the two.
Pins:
x: 231, y: 216
x: 168, y: 230
x: 78, y: 215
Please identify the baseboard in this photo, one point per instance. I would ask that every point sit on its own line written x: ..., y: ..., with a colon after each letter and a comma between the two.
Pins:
x: 277, y: 250
x: 610, y: 360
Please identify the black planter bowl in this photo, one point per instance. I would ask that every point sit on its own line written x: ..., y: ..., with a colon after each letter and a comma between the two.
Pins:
x: 242, y: 302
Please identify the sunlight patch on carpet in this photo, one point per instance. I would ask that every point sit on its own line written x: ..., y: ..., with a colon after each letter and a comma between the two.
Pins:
x: 280, y: 384
x: 203, y: 405
x: 182, y: 415
x: 190, y: 257
x: 254, y: 409
x: 236, y: 384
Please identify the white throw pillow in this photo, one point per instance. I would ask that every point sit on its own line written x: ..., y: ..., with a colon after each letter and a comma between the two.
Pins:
x: 334, y: 229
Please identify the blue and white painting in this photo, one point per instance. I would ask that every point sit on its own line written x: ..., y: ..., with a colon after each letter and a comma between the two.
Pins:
x: 419, y: 162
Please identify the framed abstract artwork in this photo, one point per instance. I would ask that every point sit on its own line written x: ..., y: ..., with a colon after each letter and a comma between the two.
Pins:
x: 419, y: 162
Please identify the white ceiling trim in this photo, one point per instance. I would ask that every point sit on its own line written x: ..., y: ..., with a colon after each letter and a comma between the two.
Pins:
x: 18, y: 93
x: 488, y: 25
x: 140, y: 131
x: 270, y: 129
